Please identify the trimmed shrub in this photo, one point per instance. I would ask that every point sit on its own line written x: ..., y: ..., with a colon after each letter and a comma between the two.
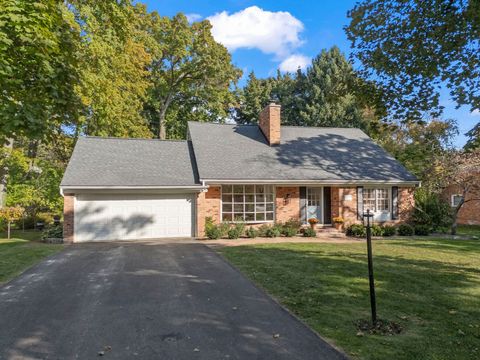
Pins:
x: 262, y: 230
x: 213, y: 231
x: 53, y: 232
x: 291, y: 227
x: 236, y: 231
x: 251, y: 232
x: 309, y: 232
x: 377, y: 230
x: 357, y: 230
x: 422, y: 230
x: 273, y: 231
x: 389, y: 230
x: 405, y: 230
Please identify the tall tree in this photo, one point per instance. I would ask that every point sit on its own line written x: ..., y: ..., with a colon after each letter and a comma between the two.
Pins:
x: 37, y: 68
x: 190, y: 70
x: 413, y: 47
x: 252, y: 99
x: 113, y: 60
x: 329, y: 97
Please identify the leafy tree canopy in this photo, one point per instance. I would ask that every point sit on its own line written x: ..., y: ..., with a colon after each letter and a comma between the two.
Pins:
x: 413, y: 47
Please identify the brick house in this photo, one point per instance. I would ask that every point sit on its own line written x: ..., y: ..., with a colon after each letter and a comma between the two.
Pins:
x: 469, y: 214
x: 118, y: 189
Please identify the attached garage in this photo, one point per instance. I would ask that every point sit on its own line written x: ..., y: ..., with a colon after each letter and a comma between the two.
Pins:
x: 130, y: 189
x: 134, y: 216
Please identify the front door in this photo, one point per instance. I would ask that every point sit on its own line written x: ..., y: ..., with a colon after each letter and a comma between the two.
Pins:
x: 314, y: 203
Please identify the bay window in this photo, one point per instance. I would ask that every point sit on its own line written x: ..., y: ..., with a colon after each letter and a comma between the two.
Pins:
x: 249, y: 203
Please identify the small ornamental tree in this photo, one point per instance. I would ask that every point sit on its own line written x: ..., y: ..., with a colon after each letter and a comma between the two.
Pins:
x: 10, y: 214
x: 462, y: 170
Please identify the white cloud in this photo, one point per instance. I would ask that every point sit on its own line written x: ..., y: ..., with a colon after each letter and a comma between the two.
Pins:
x: 475, y: 112
x: 293, y: 62
x: 271, y: 32
x: 193, y: 17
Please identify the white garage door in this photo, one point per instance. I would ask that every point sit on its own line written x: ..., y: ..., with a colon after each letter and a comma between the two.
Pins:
x: 129, y: 217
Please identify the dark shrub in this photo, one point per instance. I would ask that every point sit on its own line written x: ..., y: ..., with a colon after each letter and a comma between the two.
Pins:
x: 53, y: 232
x: 377, y: 230
x: 309, y: 232
x: 389, y: 230
x: 431, y: 210
x: 405, y: 230
x: 357, y: 230
x: 251, y: 232
x: 422, y: 230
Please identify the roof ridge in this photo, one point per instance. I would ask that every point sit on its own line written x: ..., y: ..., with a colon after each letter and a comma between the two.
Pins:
x: 283, y: 126
x: 139, y: 139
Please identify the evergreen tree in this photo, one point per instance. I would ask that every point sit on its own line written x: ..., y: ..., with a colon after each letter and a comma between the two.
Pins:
x: 329, y: 97
x: 252, y: 99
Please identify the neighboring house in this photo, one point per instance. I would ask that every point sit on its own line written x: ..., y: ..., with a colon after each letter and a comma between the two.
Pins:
x: 470, y: 212
x: 134, y: 189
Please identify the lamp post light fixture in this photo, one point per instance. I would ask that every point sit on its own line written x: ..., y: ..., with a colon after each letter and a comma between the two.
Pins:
x: 373, y: 302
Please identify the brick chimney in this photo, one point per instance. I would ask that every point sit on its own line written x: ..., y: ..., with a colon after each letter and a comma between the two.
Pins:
x: 269, y: 123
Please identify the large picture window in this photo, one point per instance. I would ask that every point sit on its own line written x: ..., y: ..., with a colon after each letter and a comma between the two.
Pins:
x: 249, y: 203
x: 376, y: 200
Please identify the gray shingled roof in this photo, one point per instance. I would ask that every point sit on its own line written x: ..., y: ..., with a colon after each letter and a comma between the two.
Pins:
x: 332, y: 154
x: 130, y: 162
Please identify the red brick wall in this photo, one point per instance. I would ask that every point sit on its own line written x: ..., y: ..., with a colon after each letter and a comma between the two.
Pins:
x: 406, y: 203
x: 287, y: 208
x: 470, y: 212
x: 269, y: 123
x: 68, y: 217
x: 208, y: 205
x: 347, y: 209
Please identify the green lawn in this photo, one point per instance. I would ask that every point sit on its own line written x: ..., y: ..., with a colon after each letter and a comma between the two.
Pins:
x: 430, y: 287
x: 20, y: 252
x: 470, y: 230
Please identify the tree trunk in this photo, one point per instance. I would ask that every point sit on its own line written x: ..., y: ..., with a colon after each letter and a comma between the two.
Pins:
x: 455, y: 215
x: 162, y: 131
x: 8, y: 230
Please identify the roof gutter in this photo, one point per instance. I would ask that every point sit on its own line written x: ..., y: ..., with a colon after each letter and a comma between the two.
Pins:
x: 72, y: 188
x: 312, y: 182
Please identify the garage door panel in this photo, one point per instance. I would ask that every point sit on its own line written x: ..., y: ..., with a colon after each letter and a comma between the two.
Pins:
x: 128, y: 217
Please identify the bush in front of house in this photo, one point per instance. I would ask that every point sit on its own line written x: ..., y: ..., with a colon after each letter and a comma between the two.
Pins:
x: 291, y: 227
x: 422, y: 230
x: 356, y: 230
x: 263, y: 229
x: 251, y: 232
x: 431, y: 210
x: 213, y: 231
x: 405, y: 230
x: 376, y: 230
x: 236, y: 231
x: 309, y: 232
x: 53, y: 232
x: 274, y: 231
x: 389, y: 230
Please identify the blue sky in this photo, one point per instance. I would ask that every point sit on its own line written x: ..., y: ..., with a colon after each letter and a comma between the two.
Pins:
x: 266, y: 35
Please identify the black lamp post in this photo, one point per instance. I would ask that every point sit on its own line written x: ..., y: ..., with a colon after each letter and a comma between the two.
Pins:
x: 373, y: 302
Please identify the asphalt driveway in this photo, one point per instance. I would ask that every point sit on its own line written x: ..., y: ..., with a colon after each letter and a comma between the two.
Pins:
x: 148, y: 300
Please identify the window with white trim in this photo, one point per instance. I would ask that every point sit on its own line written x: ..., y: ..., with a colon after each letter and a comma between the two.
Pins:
x: 456, y: 198
x: 249, y: 203
x: 376, y: 200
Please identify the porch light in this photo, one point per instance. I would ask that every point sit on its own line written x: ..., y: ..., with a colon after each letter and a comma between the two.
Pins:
x: 286, y: 199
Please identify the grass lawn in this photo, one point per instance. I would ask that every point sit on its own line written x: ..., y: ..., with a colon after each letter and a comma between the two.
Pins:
x: 470, y: 230
x: 20, y: 252
x: 430, y: 287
